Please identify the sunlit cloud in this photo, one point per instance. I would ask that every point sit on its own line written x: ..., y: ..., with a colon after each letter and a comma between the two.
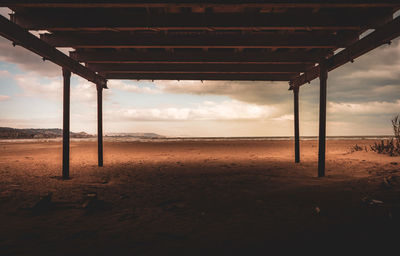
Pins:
x: 52, y: 88
x: 4, y: 11
x: 32, y: 86
x: 370, y: 108
x: 129, y: 87
x: 4, y: 97
x: 253, y: 92
x: 385, y: 72
x: 27, y: 60
x: 4, y: 73
x: 226, y: 110
x: 49, y: 122
x: 284, y: 118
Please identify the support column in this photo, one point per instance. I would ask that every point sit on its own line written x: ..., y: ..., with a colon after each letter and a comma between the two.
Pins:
x: 296, y: 125
x: 100, y: 124
x: 66, y: 116
x: 323, y: 77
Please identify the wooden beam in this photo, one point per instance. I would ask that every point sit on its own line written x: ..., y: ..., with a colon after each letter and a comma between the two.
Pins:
x: 198, y: 68
x: 177, y: 40
x: 380, y: 36
x: 123, y: 21
x: 200, y: 4
x: 298, y: 57
x: 25, y: 39
x: 196, y: 76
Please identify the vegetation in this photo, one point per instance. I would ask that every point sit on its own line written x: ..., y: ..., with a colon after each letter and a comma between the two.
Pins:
x: 357, y: 148
x: 12, y: 133
x: 392, y: 146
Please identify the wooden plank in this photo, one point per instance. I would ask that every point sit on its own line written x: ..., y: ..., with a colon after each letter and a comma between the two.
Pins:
x: 122, y: 21
x: 196, y: 76
x: 25, y: 39
x: 297, y: 57
x: 200, y: 4
x: 383, y: 35
x: 198, y: 68
x: 177, y: 40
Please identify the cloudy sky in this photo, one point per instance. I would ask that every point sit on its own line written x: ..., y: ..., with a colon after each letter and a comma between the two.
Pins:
x: 362, y: 98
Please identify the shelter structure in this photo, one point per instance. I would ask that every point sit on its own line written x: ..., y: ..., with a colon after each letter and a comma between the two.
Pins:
x: 256, y: 40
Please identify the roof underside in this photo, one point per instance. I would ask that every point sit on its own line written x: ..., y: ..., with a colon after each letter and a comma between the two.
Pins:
x: 207, y: 40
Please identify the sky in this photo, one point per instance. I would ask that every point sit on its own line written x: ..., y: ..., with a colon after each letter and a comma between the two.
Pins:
x: 362, y: 98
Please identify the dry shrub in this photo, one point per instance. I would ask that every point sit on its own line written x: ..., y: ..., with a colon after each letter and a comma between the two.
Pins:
x: 356, y: 148
x: 392, y: 146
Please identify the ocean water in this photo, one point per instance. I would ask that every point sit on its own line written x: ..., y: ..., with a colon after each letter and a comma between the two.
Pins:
x: 131, y: 139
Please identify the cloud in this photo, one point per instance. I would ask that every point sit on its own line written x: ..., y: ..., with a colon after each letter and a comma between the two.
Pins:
x: 226, y: 110
x: 85, y: 91
x: 4, y: 97
x: 32, y: 86
x: 132, y: 87
x: 27, y: 60
x: 366, y: 108
x: 284, y: 118
x: 52, y: 88
x: 261, y: 93
x: 4, y: 74
x: 5, y: 12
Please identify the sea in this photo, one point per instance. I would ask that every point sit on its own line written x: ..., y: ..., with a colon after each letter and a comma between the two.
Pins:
x: 165, y: 139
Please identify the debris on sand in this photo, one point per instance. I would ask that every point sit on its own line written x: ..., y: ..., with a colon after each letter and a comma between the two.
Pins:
x: 124, y: 196
x: 386, y: 183
x: 317, y: 210
x: 104, y: 181
x: 376, y: 201
x: 43, y: 204
x: 372, y: 202
x: 89, y: 201
x: 92, y: 204
x: 172, y: 204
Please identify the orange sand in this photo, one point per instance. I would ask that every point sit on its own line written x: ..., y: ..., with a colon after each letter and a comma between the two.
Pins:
x: 197, y: 198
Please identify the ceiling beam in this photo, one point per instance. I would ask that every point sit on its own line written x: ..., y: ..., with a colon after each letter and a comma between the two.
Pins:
x: 20, y: 36
x: 173, y: 40
x: 123, y: 21
x: 196, y: 76
x: 199, y: 68
x: 380, y: 36
x: 200, y: 4
x: 189, y: 56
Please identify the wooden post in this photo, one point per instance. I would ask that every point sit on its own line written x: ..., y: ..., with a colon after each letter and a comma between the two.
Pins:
x: 323, y: 77
x: 100, y: 124
x: 296, y: 125
x: 66, y: 116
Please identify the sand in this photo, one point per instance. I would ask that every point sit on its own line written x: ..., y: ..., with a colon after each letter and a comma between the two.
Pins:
x: 236, y: 197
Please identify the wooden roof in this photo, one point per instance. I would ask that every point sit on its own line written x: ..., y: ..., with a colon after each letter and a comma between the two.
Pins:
x: 210, y: 40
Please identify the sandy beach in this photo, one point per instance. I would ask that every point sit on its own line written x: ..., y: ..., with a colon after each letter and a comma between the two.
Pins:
x: 236, y: 197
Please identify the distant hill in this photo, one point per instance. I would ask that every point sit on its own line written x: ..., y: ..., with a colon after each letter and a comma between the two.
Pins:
x: 136, y: 135
x: 12, y: 133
